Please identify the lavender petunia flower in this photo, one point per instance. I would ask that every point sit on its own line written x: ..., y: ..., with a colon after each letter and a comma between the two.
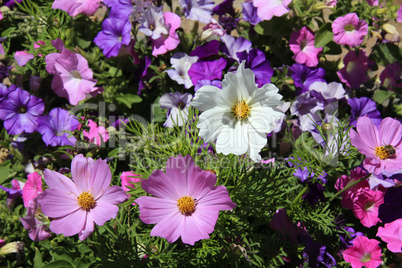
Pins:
x: 364, y: 107
x: 250, y: 13
x: 303, y: 174
x: 55, y: 126
x: 178, y: 105
x: 377, y: 180
x: 120, y: 9
x: 153, y: 23
x: 327, y: 92
x: 205, y: 82
x: 181, y: 64
x: 20, y: 112
x: 207, y: 70
x: 256, y: 61
x: 114, y: 34
x: 231, y: 46
x: 304, y: 76
x: 305, y: 104
x: 200, y: 10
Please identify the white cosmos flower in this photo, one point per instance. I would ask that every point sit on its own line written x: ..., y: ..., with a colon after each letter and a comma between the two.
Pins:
x: 240, y: 115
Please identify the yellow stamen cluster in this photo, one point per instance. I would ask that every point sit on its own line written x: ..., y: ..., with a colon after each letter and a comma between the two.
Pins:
x: 384, y: 152
x: 186, y: 205
x: 86, y: 201
x: 241, y: 110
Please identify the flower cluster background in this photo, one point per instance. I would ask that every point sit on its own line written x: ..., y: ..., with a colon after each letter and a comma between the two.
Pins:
x: 200, y: 133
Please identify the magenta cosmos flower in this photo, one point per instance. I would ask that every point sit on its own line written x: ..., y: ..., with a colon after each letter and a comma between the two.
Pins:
x: 364, y: 252
x: 302, y: 45
x: 76, y: 205
x: 187, y: 202
x: 382, y: 146
x: 349, y: 30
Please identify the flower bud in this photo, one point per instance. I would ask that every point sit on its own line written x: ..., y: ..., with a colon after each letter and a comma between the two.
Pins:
x: 327, y: 128
x: 13, y: 247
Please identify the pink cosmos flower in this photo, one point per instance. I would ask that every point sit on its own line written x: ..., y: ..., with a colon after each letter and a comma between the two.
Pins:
x: 364, y: 252
x: 96, y: 134
x: 22, y: 57
x: 169, y: 42
x: 266, y: 9
x: 75, y: 7
x: 72, y: 77
x: 354, y: 73
x: 302, y: 45
x: 349, y: 30
x: 187, y: 202
x: 32, y: 187
x: 391, y: 233
x: 33, y: 222
x: 381, y: 145
x: 365, y: 206
x: 128, y: 178
x: 76, y: 205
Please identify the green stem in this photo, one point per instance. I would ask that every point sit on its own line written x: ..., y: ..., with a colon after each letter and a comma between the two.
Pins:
x: 297, y: 198
x: 349, y: 186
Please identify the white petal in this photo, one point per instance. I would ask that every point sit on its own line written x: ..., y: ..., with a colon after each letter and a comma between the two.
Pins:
x: 204, y: 98
x: 212, y: 122
x: 257, y: 142
x: 233, y: 139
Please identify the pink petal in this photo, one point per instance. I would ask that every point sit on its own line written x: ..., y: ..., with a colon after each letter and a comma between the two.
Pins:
x: 360, y: 144
x: 194, y: 229
x: 56, y: 203
x: 80, y: 172
x: 100, y: 178
x: 70, y: 224
x: 368, y: 132
x: 160, y: 185
x: 113, y: 195
x: 154, y: 210
x: 218, y: 198
x: 56, y: 180
x: 103, y: 212
x: 390, y: 131
x: 170, y: 227
x: 88, y: 228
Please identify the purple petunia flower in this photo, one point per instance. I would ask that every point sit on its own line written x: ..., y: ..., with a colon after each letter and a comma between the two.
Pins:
x: 37, y: 230
x: 304, y: 76
x: 178, y: 105
x: 207, y: 50
x: 305, y: 104
x: 181, y: 64
x: 20, y: 112
x: 143, y: 73
x: 207, y: 70
x: 354, y: 73
x: 314, y: 194
x: 391, y: 209
x: 205, y: 82
x: 120, y: 9
x: 55, y: 127
x: 231, y: 46
x: 316, y: 253
x: 303, y: 174
x: 250, y: 13
x: 5, y: 90
x: 114, y: 34
x: 364, y: 107
x: 227, y: 15
x: 200, y: 10
x: 4, y: 71
x: 257, y: 62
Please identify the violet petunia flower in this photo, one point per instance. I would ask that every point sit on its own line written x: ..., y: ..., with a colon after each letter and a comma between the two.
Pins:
x: 20, y: 112
x: 354, y: 73
x: 114, y: 34
x: 207, y: 82
x: 5, y: 90
x: 143, y: 73
x: 302, y: 45
x: 304, y: 76
x: 391, y: 75
x: 303, y: 174
x: 207, y: 70
x: 266, y: 9
x: 181, y: 64
x: 207, y: 51
x: 75, y: 7
x: 364, y: 107
x: 186, y: 202
x: 391, y: 210
x: 349, y: 30
x: 200, y: 10
x: 231, y: 46
x: 178, y: 105
x: 257, y: 62
x: 250, y: 13
x: 33, y: 222
x: 77, y: 205
x: 120, y: 9
x: 56, y: 128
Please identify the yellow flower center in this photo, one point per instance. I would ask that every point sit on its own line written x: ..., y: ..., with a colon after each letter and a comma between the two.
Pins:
x: 186, y: 205
x: 86, y: 201
x: 366, y: 257
x: 241, y: 110
x: 384, y: 152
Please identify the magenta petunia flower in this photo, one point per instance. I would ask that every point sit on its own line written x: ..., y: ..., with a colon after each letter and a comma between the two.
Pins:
x: 76, y: 205
x: 391, y: 233
x: 22, y: 57
x: 128, y: 178
x: 364, y: 252
x: 302, y: 45
x: 365, y: 206
x: 97, y: 134
x: 349, y: 30
x: 354, y: 73
x: 266, y: 9
x: 170, y: 41
x: 32, y: 187
x: 399, y: 14
x: 75, y: 7
x: 381, y: 145
x: 187, y: 202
